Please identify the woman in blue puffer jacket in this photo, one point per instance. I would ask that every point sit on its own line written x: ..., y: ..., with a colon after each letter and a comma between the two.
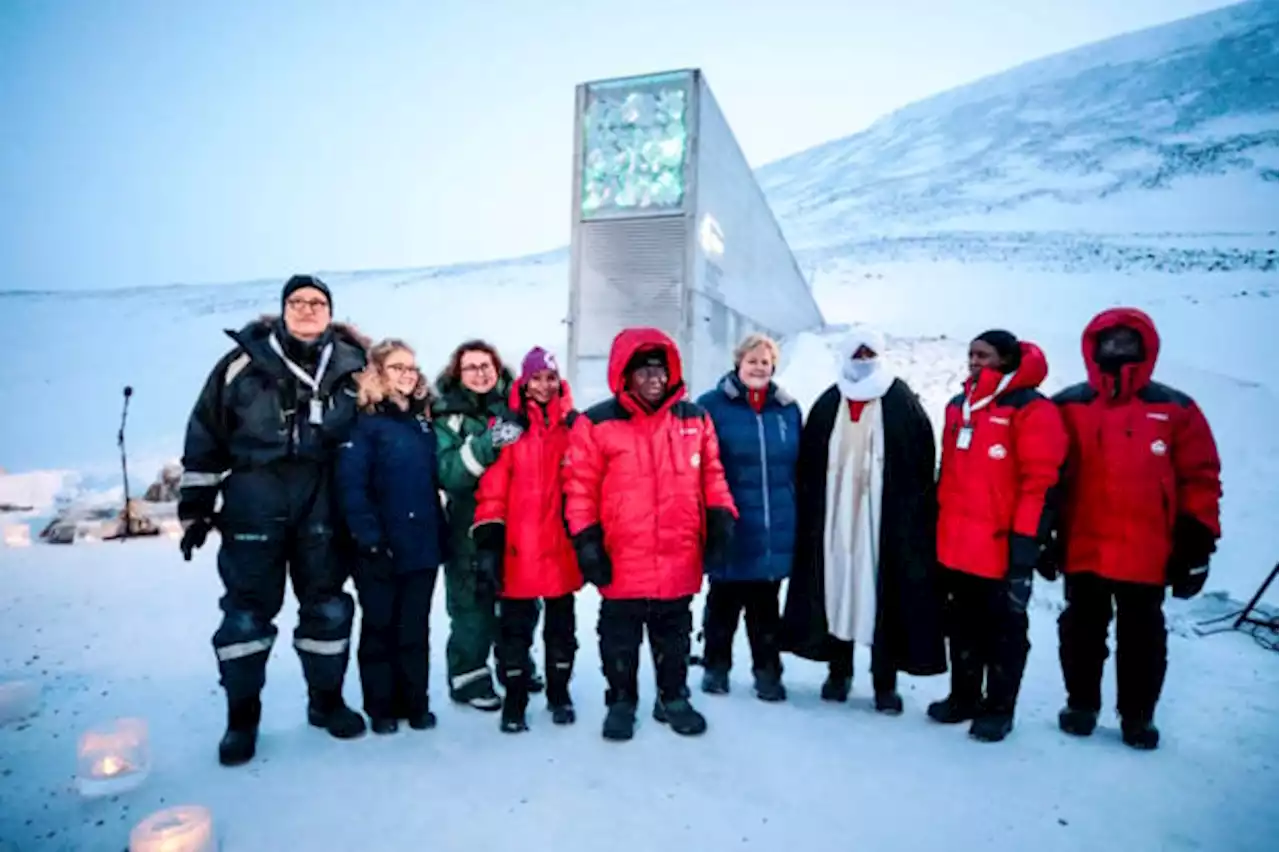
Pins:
x: 758, y: 425
x: 389, y: 494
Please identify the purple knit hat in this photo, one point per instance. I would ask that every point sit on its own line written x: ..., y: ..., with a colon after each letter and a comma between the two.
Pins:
x: 537, y: 359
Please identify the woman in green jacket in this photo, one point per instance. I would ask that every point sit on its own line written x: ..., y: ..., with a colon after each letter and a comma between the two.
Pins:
x: 473, y: 424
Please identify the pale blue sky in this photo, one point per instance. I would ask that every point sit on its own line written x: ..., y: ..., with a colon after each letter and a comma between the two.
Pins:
x: 152, y: 141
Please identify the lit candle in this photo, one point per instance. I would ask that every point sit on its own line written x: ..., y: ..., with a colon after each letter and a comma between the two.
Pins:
x: 184, y: 828
x: 113, y: 758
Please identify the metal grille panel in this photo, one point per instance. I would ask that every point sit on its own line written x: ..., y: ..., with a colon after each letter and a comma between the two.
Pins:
x: 630, y: 275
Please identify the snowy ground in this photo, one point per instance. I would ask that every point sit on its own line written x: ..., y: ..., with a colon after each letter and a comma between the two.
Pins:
x: 123, y: 629
x: 115, y: 629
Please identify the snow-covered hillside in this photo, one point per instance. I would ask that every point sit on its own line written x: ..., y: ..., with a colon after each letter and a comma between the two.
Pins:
x: 1155, y: 150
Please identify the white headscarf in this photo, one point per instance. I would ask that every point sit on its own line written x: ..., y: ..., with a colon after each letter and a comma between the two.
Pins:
x: 863, y: 380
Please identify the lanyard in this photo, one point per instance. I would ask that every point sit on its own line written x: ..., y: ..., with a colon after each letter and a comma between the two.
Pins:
x: 967, y: 408
x: 312, y: 382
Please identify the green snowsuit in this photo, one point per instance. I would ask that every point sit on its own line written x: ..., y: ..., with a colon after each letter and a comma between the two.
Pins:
x: 465, y: 451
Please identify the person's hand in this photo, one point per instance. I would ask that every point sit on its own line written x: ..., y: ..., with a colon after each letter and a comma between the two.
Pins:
x: 194, y: 534
x: 505, y: 433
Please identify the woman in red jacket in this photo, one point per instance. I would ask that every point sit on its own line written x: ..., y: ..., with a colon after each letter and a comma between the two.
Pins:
x: 1003, y: 447
x: 1140, y: 511
x: 522, y: 546
x: 646, y: 501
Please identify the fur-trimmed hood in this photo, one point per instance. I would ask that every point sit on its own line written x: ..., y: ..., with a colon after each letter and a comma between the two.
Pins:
x: 370, y: 387
x: 342, y: 331
x: 350, y: 351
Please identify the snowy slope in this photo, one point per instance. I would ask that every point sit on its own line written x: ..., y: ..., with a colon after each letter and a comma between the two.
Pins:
x: 1154, y: 149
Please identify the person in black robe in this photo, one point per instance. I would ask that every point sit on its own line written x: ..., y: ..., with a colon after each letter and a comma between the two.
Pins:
x: 884, y: 587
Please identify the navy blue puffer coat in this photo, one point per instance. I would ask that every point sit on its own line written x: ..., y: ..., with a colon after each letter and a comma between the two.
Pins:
x: 759, y: 453
x: 387, y: 487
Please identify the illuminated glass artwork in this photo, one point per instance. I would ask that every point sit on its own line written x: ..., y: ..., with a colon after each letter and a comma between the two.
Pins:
x: 634, y: 146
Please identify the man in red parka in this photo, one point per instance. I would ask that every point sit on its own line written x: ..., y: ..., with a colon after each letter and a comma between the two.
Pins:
x: 646, y: 501
x: 1003, y: 447
x: 521, y: 544
x: 1140, y: 511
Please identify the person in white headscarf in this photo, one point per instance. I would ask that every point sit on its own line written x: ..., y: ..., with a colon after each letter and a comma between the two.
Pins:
x: 866, y: 558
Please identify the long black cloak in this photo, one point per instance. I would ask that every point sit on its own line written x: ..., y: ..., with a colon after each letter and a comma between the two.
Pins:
x: 908, y: 625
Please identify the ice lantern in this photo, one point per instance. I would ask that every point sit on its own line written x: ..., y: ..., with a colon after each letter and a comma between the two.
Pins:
x: 185, y: 828
x: 113, y: 758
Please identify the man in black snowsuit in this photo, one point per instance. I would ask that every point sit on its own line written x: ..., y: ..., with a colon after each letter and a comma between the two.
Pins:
x: 264, y: 433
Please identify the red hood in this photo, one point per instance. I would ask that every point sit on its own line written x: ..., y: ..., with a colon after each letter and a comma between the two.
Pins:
x: 556, y: 409
x: 1032, y: 369
x: 1133, y: 377
x: 630, y: 341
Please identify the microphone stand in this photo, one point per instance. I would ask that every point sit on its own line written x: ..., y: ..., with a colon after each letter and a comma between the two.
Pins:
x: 124, y: 465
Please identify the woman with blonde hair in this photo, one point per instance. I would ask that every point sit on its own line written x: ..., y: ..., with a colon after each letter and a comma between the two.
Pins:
x: 758, y: 424
x: 390, y: 495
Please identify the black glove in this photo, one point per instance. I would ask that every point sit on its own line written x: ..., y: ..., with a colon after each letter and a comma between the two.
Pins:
x: 1024, y: 556
x: 1051, y: 558
x: 491, y: 543
x: 1193, y: 542
x: 1188, y: 566
x: 593, y: 561
x: 194, y: 537
x: 719, y: 548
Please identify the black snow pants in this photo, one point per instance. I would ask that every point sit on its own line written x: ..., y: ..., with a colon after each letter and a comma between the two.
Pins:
x: 517, y: 621
x: 621, y: 629
x: 276, y: 521
x: 726, y: 602
x: 394, y: 653
x: 1141, y: 644
x: 988, y: 639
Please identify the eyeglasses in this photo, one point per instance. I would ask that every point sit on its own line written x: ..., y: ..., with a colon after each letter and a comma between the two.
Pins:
x: 403, y: 369
x: 478, y: 368
x: 299, y: 305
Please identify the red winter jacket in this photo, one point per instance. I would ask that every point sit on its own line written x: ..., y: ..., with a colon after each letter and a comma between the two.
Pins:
x: 1141, y: 454
x: 523, y: 490
x: 647, y: 479
x: 997, y: 487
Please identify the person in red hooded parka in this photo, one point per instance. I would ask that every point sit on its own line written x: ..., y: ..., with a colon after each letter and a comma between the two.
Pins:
x: 1140, y: 511
x: 646, y: 501
x: 1003, y: 448
x: 522, y: 546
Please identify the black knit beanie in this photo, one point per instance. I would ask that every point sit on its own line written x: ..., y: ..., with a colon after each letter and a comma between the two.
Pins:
x: 298, y: 282
x: 651, y: 357
x: 1006, y: 346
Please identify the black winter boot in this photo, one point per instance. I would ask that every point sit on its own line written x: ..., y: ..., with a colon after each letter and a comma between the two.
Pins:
x: 620, y: 721
x: 327, y: 710
x: 513, y: 709
x: 419, y: 715
x: 1140, y: 734
x: 836, y: 688
x: 965, y: 700
x: 991, y: 727
x: 715, y: 681
x: 559, y: 702
x: 1077, y: 721
x: 769, y: 685
x: 885, y: 682
x: 240, y: 742
x: 681, y: 716
x: 383, y: 725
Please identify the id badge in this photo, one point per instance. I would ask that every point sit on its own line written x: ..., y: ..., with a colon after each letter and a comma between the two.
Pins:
x: 964, y: 438
x: 317, y: 412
